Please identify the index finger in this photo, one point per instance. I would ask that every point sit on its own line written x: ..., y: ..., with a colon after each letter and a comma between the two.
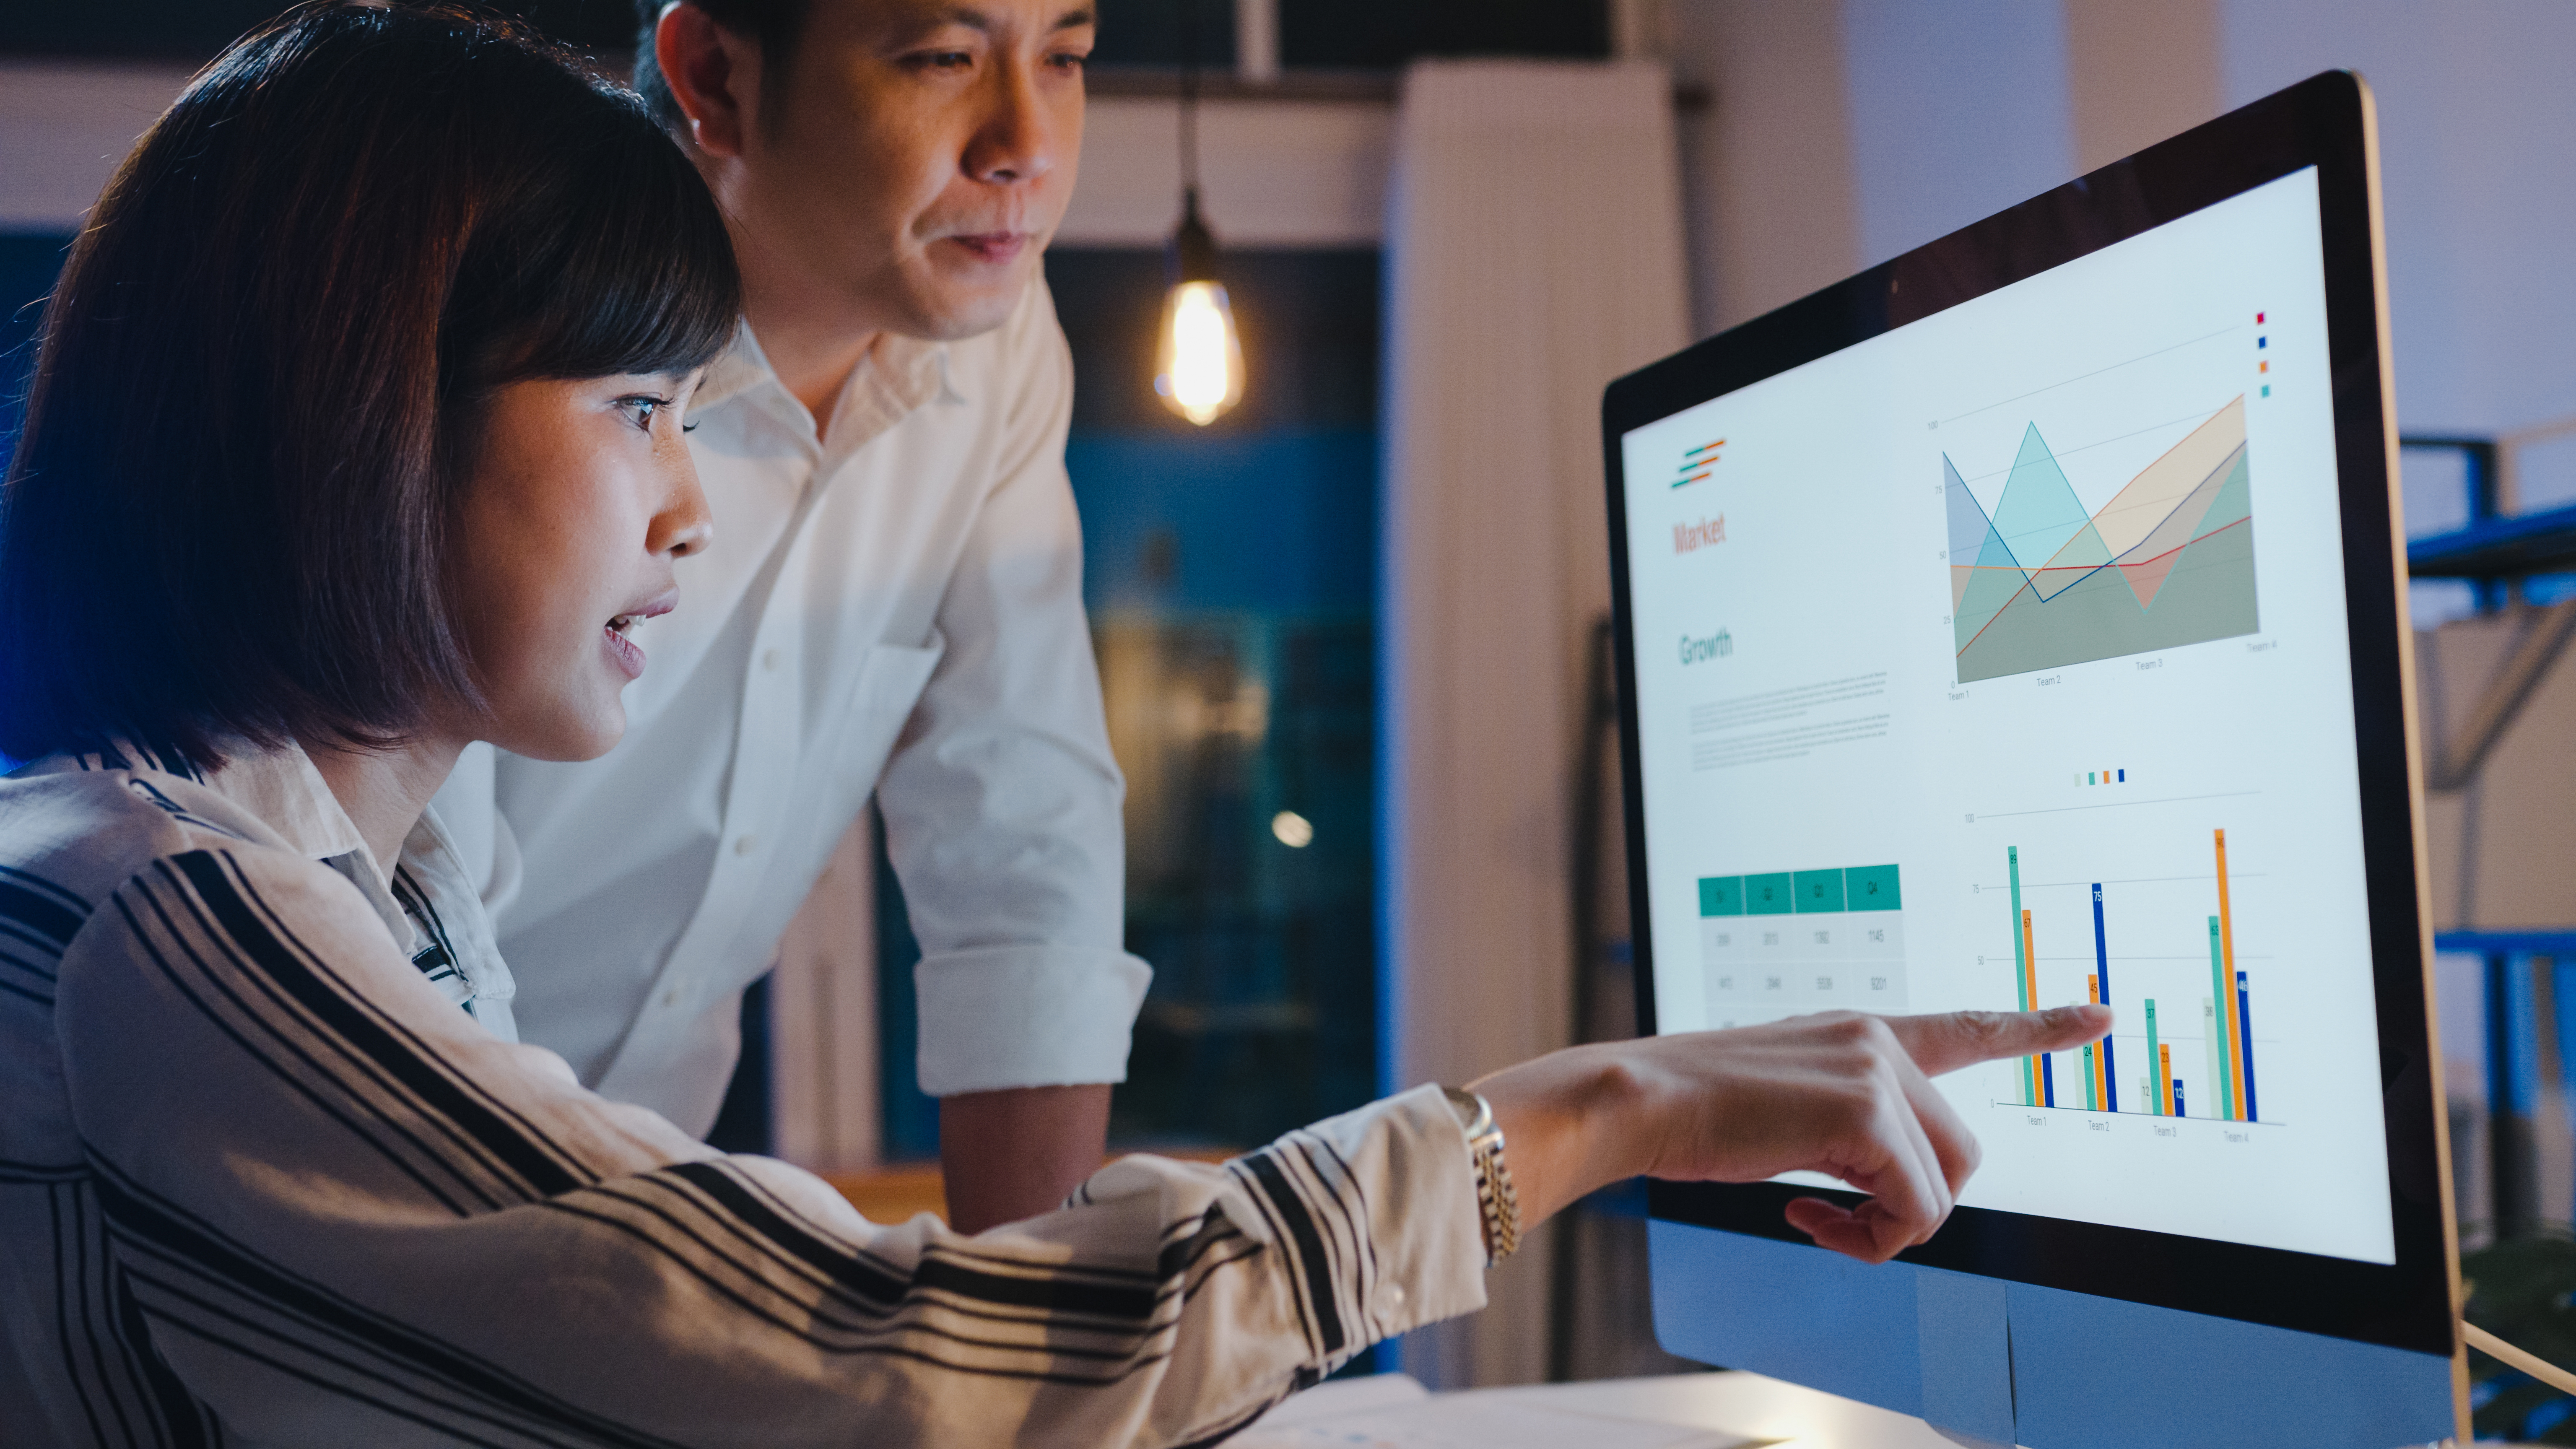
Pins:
x: 1949, y: 1040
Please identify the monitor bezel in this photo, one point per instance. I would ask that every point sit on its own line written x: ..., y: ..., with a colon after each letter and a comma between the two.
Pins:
x: 2324, y: 122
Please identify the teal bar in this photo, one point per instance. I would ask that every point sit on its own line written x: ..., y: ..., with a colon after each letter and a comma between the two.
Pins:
x: 2155, y: 1066
x: 2021, y: 971
x: 1820, y: 890
x: 2218, y: 998
x: 1721, y: 895
x: 1873, y: 888
x: 1768, y: 895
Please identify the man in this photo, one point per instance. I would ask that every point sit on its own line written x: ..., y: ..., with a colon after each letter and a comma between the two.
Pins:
x: 892, y: 603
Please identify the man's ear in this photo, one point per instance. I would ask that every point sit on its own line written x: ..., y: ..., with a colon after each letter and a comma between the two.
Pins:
x: 714, y: 75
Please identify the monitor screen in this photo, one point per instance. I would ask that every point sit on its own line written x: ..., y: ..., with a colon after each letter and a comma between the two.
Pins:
x: 2001, y: 659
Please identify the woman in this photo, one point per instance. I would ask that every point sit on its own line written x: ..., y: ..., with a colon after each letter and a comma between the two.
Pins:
x: 355, y: 437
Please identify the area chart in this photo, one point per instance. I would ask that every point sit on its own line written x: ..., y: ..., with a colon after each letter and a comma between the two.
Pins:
x: 2168, y: 561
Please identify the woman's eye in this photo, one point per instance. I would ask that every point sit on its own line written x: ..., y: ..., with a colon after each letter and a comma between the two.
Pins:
x: 640, y: 410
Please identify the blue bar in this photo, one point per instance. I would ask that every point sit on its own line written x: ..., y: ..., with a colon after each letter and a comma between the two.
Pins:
x: 2245, y: 1028
x: 2102, y: 967
x: 2047, y: 1082
x: 2178, y: 1111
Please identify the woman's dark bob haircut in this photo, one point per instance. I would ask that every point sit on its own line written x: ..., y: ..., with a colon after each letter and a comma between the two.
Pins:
x: 257, y: 382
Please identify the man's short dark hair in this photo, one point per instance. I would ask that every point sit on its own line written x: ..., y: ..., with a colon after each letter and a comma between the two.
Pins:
x: 258, y: 379
x: 774, y: 25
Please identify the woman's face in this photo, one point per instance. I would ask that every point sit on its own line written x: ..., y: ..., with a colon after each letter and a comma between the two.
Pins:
x: 580, y: 498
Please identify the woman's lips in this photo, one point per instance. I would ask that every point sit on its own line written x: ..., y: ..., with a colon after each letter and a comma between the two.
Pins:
x: 624, y: 651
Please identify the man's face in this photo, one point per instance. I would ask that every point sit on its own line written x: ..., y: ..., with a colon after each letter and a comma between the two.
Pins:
x: 917, y: 157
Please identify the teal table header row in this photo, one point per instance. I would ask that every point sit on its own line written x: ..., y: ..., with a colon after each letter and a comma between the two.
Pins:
x: 1788, y: 892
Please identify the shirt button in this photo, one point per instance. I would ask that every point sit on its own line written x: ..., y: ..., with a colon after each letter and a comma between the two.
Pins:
x: 745, y: 844
x: 769, y: 660
x: 1394, y: 1295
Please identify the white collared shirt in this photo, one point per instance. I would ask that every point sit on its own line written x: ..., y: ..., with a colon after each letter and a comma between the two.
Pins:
x: 895, y: 606
x: 263, y: 1184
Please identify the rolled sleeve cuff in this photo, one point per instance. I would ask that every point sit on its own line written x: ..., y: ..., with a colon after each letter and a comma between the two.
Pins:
x: 1426, y: 1256
x: 998, y: 1017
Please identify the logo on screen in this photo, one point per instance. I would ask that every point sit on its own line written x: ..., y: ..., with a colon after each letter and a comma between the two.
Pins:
x: 1697, y: 462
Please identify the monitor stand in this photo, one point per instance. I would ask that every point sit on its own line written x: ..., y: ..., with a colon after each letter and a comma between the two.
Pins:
x: 1991, y: 1363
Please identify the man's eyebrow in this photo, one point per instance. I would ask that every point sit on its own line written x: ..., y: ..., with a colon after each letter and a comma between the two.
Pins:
x: 975, y: 19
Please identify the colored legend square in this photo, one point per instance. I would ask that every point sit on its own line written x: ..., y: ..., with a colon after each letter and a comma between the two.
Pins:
x: 2262, y: 342
x: 1872, y: 888
x: 2258, y: 319
x: 2262, y: 367
x: 1820, y: 890
x: 1721, y: 895
x: 1767, y: 895
x: 2124, y: 777
x: 2267, y: 389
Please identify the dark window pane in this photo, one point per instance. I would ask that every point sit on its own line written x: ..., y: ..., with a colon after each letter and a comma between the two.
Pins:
x: 1149, y: 32
x: 194, y: 30
x: 1230, y: 575
x: 1383, y: 34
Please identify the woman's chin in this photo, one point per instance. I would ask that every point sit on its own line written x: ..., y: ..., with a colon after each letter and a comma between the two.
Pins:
x: 564, y: 740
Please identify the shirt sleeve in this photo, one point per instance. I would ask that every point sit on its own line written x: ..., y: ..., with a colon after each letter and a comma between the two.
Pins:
x: 348, y: 1215
x: 1002, y: 800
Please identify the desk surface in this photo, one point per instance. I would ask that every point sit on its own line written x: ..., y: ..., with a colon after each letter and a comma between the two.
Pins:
x: 1741, y: 1403
x: 1741, y: 1406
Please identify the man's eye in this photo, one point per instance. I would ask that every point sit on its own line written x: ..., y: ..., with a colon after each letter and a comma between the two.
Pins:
x: 940, y: 60
x: 640, y: 410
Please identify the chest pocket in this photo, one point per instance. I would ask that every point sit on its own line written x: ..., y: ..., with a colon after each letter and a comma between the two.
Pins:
x: 880, y: 702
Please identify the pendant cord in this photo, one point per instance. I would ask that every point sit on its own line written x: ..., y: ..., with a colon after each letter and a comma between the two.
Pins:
x: 1190, y: 103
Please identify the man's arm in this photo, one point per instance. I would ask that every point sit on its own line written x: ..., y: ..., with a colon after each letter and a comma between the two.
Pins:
x: 1002, y: 812
x: 1015, y: 1154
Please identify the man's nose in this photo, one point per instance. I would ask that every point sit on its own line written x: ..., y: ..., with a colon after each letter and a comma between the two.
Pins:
x: 1016, y: 141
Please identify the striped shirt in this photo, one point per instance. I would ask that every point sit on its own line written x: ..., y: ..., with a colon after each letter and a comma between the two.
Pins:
x: 263, y: 1182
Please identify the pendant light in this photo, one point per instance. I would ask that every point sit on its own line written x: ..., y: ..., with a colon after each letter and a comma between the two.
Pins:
x: 1198, y: 360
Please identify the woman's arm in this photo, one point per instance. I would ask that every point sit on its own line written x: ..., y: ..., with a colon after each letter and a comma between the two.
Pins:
x: 346, y: 1212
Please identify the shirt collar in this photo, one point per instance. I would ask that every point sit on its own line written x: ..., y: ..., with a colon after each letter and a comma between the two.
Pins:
x: 288, y: 794
x: 898, y: 375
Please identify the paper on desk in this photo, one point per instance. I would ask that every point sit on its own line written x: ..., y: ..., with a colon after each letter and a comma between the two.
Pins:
x: 1477, y: 1421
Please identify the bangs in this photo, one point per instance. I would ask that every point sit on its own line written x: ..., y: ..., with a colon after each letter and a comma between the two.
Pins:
x: 612, y: 260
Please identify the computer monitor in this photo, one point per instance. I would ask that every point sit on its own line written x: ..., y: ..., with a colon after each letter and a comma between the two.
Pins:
x: 2021, y: 622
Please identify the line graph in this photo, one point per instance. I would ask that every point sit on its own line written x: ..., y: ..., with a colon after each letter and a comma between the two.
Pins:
x: 2168, y: 561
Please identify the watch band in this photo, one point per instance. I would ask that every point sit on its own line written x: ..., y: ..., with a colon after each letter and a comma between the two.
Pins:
x: 1495, y: 1199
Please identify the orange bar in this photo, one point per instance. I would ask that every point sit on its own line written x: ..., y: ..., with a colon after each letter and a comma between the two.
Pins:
x: 2101, y: 1069
x: 2030, y: 984
x: 2164, y: 1078
x: 2230, y: 1105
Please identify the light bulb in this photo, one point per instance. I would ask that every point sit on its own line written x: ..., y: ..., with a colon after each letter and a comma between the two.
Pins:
x: 1198, y: 366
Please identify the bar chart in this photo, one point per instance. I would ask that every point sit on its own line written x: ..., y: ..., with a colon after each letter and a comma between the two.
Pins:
x: 2221, y: 1086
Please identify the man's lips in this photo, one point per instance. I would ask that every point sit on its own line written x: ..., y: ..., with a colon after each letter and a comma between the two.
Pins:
x: 992, y: 246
